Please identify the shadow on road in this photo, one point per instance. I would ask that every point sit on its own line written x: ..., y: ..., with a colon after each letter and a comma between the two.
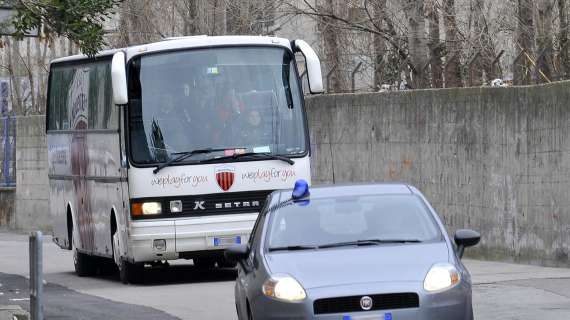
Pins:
x: 185, y: 274
x: 173, y: 274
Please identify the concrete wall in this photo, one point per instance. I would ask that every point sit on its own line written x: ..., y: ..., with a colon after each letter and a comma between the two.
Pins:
x: 496, y: 160
x: 31, y: 175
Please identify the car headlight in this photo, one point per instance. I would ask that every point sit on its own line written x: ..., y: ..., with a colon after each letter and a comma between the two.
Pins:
x: 441, y: 276
x: 284, y: 287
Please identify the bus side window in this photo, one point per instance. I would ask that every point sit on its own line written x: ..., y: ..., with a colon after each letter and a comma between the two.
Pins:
x: 139, y: 146
x: 60, y: 81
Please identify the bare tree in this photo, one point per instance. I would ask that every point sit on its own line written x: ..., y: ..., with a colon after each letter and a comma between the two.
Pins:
x: 544, y: 38
x: 332, y: 46
x: 435, y: 45
x: 136, y: 25
x: 563, y: 39
x: 379, y: 8
x: 452, y: 46
x: 482, y: 40
x: 188, y: 11
x: 525, y: 42
x: 417, y: 40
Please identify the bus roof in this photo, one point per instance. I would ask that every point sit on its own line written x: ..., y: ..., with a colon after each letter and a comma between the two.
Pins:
x: 186, y: 42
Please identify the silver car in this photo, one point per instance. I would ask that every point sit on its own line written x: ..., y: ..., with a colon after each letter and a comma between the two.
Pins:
x: 375, y: 251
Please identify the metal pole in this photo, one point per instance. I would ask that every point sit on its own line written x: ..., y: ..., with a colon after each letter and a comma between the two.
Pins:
x: 353, y: 75
x: 329, y: 76
x: 36, y: 279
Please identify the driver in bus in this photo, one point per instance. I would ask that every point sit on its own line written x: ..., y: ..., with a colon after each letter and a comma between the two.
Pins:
x: 173, y: 124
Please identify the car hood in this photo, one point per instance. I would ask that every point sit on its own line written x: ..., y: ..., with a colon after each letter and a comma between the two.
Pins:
x: 352, y: 265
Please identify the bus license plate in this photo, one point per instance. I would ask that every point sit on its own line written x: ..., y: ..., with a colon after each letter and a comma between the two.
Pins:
x: 226, y: 241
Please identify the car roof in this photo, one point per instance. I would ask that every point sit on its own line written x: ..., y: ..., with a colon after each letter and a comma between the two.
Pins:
x: 338, y: 190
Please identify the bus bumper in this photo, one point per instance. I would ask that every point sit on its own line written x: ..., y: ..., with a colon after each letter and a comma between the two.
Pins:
x: 185, y: 235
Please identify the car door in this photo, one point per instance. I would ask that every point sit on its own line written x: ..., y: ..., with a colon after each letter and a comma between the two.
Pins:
x: 247, y: 270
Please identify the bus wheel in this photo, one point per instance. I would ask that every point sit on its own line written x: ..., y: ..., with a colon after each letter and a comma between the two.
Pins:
x: 130, y: 272
x: 84, y: 264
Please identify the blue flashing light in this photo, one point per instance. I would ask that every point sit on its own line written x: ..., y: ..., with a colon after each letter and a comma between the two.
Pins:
x: 388, y: 316
x: 301, y: 189
x: 346, y: 318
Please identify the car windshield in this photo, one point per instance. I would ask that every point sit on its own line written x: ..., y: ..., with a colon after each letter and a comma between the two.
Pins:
x: 232, y: 100
x: 352, y: 220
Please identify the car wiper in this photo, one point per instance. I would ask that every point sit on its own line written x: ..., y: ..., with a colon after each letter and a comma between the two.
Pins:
x: 187, y: 154
x: 367, y: 242
x: 253, y: 155
x: 292, y: 248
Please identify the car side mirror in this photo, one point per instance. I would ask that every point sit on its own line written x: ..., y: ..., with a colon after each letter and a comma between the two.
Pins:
x: 236, y: 253
x: 465, y: 238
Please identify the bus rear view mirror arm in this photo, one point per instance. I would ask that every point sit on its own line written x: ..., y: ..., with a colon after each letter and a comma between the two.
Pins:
x: 119, y: 79
x: 313, y: 66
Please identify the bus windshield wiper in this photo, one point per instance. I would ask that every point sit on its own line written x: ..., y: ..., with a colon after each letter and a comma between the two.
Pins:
x: 292, y: 248
x: 367, y: 242
x: 253, y: 155
x: 185, y: 155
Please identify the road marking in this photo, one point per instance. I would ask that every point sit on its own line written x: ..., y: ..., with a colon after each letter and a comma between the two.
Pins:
x: 20, y: 299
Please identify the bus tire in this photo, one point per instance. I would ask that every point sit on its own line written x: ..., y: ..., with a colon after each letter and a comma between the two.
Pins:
x: 84, y: 264
x: 130, y: 272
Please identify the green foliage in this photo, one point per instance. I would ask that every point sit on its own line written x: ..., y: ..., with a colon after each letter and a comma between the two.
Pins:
x: 81, y: 21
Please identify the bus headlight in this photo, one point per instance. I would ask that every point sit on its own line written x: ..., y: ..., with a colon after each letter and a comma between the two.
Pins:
x: 284, y: 287
x: 441, y: 276
x: 145, y: 208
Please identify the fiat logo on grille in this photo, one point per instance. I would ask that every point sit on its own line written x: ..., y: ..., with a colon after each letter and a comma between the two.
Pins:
x: 366, y: 303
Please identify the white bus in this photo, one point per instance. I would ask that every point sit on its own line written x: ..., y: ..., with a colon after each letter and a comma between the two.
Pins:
x: 168, y: 150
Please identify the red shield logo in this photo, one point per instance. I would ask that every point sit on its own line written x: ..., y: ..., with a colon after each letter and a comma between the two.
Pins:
x: 225, y: 177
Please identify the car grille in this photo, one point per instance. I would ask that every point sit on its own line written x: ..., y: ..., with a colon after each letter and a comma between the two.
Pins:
x: 212, y: 204
x: 388, y: 301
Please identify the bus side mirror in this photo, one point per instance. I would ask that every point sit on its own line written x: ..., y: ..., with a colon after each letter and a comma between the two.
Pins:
x: 119, y: 79
x: 313, y: 66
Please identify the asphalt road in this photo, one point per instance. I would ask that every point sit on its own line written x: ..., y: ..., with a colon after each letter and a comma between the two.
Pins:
x: 501, y: 291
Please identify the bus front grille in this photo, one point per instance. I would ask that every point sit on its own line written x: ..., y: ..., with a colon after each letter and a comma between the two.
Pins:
x: 211, y: 204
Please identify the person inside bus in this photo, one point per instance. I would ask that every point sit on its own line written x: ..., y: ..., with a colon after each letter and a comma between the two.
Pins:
x: 172, y: 123
x: 254, y: 132
x: 227, y: 110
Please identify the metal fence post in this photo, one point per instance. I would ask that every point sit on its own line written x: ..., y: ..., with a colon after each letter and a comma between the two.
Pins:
x: 36, y: 278
x: 353, y: 76
x: 329, y: 74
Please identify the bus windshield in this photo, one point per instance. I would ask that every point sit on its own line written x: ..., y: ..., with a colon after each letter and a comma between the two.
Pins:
x: 232, y: 99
